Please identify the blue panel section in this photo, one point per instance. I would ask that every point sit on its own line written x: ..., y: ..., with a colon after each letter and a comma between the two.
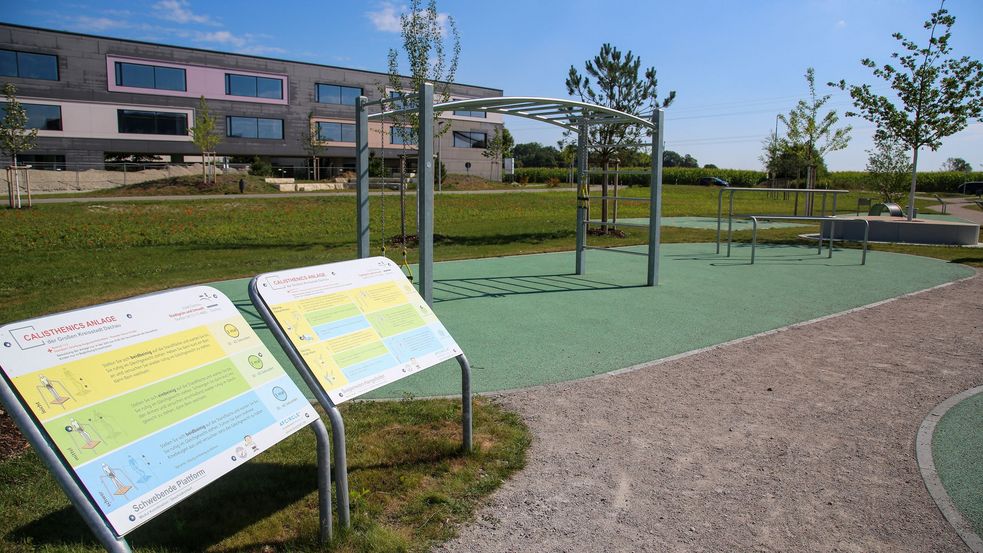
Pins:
x: 341, y: 327
x: 415, y: 343
x: 369, y: 368
x: 174, y: 451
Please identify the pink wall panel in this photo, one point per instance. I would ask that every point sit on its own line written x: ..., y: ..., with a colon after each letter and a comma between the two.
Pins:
x: 201, y: 81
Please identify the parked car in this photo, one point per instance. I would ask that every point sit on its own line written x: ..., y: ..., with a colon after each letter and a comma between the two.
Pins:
x: 713, y: 181
x: 972, y: 187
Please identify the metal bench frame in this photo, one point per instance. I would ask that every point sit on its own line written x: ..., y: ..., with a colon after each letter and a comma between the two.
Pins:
x: 832, y: 231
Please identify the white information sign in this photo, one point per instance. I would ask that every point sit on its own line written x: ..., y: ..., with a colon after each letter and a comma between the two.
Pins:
x: 150, y: 399
x: 358, y: 325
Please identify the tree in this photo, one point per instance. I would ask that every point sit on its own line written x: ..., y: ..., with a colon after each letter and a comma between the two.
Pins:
x: 809, y: 134
x: 710, y: 166
x: 689, y: 161
x: 957, y: 164
x: 616, y: 85
x: 311, y: 141
x: 500, y: 146
x: 15, y: 137
x: 534, y: 154
x: 671, y: 159
x: 938, y: 94
x: 423, y: 43
x: 204, y: 134
x: 889, y: 166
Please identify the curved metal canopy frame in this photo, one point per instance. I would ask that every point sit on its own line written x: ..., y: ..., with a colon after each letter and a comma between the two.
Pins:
x: 566, y: 114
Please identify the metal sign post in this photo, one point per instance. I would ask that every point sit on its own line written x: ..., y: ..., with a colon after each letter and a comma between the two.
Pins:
x: 138, y: 404
x: 353, y: 327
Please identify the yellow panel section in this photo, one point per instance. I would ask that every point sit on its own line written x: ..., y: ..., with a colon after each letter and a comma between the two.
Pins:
x: 352, y: 340
x: 234, y: 335
x: 379, y: 296
x: 52, y: 392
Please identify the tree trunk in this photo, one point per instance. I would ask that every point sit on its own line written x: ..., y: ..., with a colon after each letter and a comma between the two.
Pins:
x: 914, y: 179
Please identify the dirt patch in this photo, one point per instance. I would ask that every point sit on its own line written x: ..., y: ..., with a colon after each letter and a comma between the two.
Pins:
x: 12, y: 442
x: 802, y: 440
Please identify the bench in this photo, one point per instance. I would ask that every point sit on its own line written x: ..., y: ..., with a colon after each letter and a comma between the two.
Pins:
x: 863, y: 203
x: 832, y: 225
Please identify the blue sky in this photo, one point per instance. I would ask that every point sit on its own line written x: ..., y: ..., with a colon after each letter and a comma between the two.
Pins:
x: 733, y: 64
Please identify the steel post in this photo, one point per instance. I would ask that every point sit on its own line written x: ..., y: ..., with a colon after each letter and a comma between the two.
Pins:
x: 655, y: 195
x: 424, y: 191
x: 754, y: 237
x: 467, y: 425
x: 583, y: 200
x: 362, y: 175
x: 340, y: 464
x: 720, y: 213
x: 730, y: 221
x: 323, y: 480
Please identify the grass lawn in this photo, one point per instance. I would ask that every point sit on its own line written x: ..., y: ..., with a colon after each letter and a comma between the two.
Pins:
x: 409, y: 486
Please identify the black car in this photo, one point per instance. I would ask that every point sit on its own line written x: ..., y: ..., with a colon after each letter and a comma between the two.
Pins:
x: 713, y: 181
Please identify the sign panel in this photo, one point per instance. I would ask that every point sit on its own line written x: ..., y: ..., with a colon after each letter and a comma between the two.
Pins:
x: 150, y: 399
x: 358, y: 325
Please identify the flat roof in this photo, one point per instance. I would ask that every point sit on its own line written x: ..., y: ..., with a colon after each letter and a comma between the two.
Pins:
x: 206, y: 50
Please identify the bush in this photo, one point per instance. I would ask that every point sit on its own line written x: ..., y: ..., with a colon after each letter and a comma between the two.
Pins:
x: 260, y: 167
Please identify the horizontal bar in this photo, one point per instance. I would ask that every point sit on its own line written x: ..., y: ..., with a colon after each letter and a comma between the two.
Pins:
x: 803, y: 190
x: 620, y: 198
x: 613, y: 224
x: 615, y: 250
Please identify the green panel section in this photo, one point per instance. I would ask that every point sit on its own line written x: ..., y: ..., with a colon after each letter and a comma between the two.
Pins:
x: 395, y: 320
x: 126, y: 418
x: 957, y: 449
x: 361, y: 353
x: 528, y: 320
x: 332, y: 314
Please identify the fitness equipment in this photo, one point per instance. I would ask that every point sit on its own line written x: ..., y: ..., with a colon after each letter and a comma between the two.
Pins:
x: 405, y: 265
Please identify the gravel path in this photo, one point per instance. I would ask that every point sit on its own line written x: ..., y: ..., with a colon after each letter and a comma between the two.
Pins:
x: 801, y: 440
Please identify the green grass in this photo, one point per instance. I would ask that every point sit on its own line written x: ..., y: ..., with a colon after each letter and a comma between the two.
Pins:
x: 409, y: 482
x: 60, y: 256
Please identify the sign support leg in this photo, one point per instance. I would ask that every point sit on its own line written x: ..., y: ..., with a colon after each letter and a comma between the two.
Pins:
x: 466, y: 417
x: 340, y: 465
x: 45, y: 450
x: 323, y: 480
x: 362, y: 176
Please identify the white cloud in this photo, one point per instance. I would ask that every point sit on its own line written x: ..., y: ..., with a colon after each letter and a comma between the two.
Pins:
x: 387, y: 18
x: 221, y: 37
x: 841, y: 24
x: 179, y: 11
x: 96, y: 24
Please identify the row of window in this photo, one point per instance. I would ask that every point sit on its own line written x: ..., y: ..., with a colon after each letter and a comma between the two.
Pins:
x: 48, y: 117
x: 138, y: 75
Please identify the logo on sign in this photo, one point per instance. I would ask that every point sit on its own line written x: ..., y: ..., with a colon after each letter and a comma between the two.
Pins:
x: 27, y: 337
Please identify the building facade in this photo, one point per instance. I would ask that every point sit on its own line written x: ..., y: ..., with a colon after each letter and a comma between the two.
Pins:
x: 91, y: 97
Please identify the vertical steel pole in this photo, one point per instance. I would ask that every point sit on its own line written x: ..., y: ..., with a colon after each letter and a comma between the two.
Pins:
x: 730, y: 221
x: 583, y: 200
x: 655, y: 197
x: 340, y: 463
x: 754, y: 237
x: 424, y: 191
x: 720, y: 213
x: 834, y: 204
x: 323, y: 480
x: 362, y: 175
x: 46, y: 451
x: 467, y: 424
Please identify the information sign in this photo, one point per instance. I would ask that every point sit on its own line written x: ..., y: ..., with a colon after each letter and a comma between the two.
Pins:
x: 148, y: 400
x: 358, y: 325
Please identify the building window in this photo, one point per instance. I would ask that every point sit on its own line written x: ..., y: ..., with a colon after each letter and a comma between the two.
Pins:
x: 152, y: 122
x: 467, y: 113
x: 336, y: 132
x: 138, y: 75
x: 28, y: 66
x: 49, y: 162
x: 256, y: 87
x: 402, y: 135
x: 43, y: 117
x: 336, y: 94
x: 254, y: 127
x: 470, y: 139
x: 403, y: 103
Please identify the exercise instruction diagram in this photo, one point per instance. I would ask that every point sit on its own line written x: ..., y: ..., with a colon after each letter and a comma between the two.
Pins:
x: 358, y: 325
x: 150, y: 399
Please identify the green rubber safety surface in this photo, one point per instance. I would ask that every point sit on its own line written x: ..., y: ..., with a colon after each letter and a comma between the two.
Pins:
x: 957, y: 448
x: 528, y: 320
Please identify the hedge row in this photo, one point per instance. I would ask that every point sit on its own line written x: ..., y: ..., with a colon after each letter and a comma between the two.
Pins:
x: 853, y: 180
